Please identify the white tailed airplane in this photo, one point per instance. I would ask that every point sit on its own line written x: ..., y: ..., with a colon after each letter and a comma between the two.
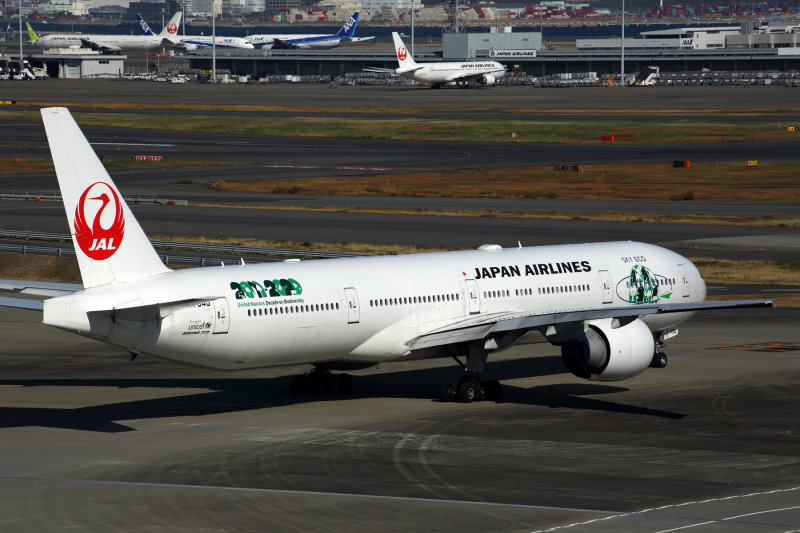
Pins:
x: 294, y: 41
x: 441, y: 73
x: 193, y: 42
x: 609, y: 306
x: 108, y: 43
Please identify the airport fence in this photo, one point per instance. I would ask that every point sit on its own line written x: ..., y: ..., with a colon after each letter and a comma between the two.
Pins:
x: 204, y: 254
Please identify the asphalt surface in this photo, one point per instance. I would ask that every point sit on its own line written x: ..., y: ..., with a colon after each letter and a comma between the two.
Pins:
x: 95, y: 442
x: 697, y: 99
x: 267, y: 157
x: 426, y: 230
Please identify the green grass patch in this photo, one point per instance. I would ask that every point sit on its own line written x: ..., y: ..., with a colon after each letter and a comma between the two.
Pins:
x: 729, y: 181
x: 528, y: 130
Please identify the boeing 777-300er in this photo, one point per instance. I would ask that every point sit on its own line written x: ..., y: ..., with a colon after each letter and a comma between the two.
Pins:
x: 441, y: 73
x: 108, y: 43
x: 193, y: 42
x: 293, y: 41
x: 609, y: 306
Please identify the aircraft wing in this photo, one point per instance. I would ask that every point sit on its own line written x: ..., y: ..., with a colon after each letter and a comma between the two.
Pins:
x: 278, y: 44
x: 462, y: 76
x: 104, y: 48
x: 482, y: 326
x: 378, y: 69
x: 353, y: 40
x: 406, y: 70
x: 168, y: 42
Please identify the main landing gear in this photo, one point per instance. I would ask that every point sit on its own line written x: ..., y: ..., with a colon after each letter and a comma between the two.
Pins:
x: 321, y: 381
x: 469, y: 388
x: 659, y: 357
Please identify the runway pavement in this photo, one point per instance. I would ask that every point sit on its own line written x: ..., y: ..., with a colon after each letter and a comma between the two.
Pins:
x: 95, y: 442
x: 274, y: 158
x: 337, y: 227
x: 698, y: 99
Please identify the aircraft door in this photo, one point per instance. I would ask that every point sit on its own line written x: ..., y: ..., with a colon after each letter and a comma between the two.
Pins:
x: 685, y: 279
x: 221, y: 319
x: 473, y: 297
x: 605, y: 284
x: 352, y: 305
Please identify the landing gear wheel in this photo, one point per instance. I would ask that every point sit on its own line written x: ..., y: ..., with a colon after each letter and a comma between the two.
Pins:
x: 332, y: 384
x: 345, y: 383
x: 321, y: 382
x: 659, y: 360
x: 480, y: 391
x: 493, y: 390
x: 448, y: 391
x: 298, y: 385
x: 467, y: 392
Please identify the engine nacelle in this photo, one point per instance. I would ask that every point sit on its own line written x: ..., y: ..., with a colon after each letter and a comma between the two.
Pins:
x: 486, y: 79
x: 605, y: 353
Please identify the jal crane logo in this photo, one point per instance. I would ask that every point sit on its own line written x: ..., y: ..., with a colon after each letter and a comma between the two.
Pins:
x: 402, y: 53
x: 102, y: 238
x: 172, y: 28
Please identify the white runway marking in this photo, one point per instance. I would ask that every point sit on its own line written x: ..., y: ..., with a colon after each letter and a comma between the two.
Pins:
x: 300, y: 493
x: 703, y: 521
x: 131, y: 144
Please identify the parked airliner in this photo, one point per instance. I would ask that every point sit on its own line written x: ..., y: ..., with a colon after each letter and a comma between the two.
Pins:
x: 108, y: 43
x: 193, y: 42
x: 441, y: 73
x: 609, y: 306
x: 294, y: 41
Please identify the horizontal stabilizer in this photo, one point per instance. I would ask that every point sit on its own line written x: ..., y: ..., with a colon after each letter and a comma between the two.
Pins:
x: 39, y: 288
x: 21, y: 303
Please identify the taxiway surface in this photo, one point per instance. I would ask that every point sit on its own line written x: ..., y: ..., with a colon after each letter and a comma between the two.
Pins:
x: 703, y: 100
x: 95, y: 442
x: 267, y: 157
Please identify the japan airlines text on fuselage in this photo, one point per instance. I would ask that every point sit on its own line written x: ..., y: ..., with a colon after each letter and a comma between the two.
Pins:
x: 440, y: 73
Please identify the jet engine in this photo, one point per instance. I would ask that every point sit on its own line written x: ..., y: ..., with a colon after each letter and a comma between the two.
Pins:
x: 603, y: 352
x: 486, y: 79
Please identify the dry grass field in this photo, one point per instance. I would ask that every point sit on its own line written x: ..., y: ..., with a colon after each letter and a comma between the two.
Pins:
x: 730, y: 181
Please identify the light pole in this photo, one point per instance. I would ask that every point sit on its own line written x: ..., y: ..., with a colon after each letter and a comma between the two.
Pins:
x: 20, y: 36
x: 214, y: 41
x: 158, y: 50
x: 413, y: 12
x: 541, y: 24
x: 622, y: 46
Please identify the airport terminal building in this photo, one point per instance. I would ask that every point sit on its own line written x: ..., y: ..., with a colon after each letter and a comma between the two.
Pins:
x: 746, y: 36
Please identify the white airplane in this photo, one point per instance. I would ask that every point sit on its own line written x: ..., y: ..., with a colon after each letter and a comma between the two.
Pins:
x: 193, y: 42
x: 108, y: 43
x: 294, y: 41
x: 441, y: 73
x: 609, y: 306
